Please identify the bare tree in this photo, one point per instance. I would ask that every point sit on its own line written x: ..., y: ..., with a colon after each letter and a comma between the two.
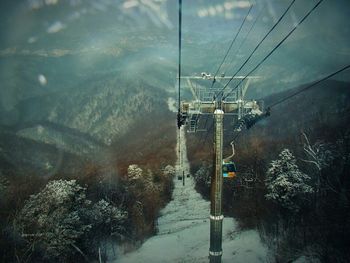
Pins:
x: 320, y: 155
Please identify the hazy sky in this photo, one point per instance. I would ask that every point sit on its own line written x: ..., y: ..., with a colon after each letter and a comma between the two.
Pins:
x: 44, y: 43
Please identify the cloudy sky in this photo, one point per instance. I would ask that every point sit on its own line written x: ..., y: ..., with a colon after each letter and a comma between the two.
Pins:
x: 47, y: 44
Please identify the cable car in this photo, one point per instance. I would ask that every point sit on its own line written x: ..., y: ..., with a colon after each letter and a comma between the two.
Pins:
x: 228, y: 169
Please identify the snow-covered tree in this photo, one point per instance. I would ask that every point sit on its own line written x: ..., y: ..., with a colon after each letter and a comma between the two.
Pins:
x: 134, y: 172
x: 286, y: 184
x: 106, y: 215
x: 169, y: 170
x: 3, y: 188
x: 59, y: 218
x: 202, y: 176
x: 149, y: 185
x: 54, y: 218
x: 3, y: 183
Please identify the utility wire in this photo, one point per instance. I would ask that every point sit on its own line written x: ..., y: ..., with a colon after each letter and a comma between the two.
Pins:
x: 274, y: 49
x: 309, y: 86
x: 258, y: 45
x: 180, y: 26
x: 247, y: 34
x: 179, y: 83
x: 228, y: 51
x: 232, y: 42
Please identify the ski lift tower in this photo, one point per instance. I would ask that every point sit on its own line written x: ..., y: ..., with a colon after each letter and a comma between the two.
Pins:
x: 209, y: 101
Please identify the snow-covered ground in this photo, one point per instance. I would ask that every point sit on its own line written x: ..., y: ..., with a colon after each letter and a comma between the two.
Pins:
x: 183, y: 226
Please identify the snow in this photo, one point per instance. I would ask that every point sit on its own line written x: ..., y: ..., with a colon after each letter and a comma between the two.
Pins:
x: 183, y: 229
x: 306, y: 259
x: 134, y: 172
x: 172, y: 104
x: 191, y: 244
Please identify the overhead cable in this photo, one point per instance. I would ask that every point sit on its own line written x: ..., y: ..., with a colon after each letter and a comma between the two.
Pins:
x: 232, y: 42
x: 259, y: 44
x: 179, y: 66
x: 273, y: 50
x: 309, y: 86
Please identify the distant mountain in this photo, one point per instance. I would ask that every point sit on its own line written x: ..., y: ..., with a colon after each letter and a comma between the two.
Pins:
x: 103, y: 109
x: 24, y: 156
x: 83, y: 122
x: 325, y: 106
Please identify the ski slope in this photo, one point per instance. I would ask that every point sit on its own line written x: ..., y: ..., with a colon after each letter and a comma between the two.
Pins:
x: 183, y: 229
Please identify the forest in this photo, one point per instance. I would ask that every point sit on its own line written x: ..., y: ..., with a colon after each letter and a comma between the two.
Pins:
x: 80, y: 215
x: 292, y: 183
x: 98, y: 159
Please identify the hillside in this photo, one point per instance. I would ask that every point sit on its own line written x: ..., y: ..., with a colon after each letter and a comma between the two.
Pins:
x: 320, y: 111
x: 321, y: 114
x: 326, y: 105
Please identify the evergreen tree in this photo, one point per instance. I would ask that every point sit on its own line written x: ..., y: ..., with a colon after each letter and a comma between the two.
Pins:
x: 286, y: 184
